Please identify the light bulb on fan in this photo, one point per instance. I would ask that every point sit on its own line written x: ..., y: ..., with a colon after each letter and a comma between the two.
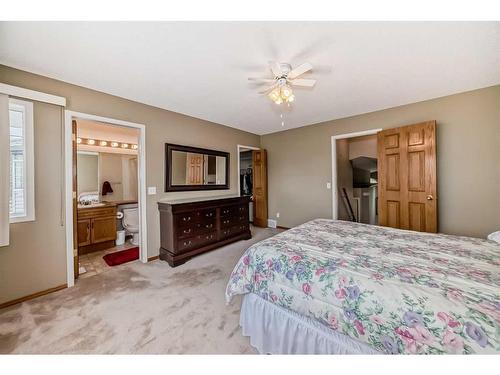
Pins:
x: 286, y: 92
x: 290, y: 99
x: 275, y: 94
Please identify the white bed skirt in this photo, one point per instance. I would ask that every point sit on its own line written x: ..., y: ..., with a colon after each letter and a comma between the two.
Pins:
x: 275, y: 330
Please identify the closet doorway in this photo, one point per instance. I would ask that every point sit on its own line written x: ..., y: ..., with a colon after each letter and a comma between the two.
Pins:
x: 252, y: 182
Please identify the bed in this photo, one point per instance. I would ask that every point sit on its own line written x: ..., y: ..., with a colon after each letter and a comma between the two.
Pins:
x: 330, y: 286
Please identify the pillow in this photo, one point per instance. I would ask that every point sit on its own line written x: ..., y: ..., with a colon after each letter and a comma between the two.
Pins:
x: 495, y: 236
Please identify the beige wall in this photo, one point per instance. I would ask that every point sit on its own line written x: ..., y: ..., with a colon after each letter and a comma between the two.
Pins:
x: 468, y: 148
x: 36, y: 257
x: 363, y: 146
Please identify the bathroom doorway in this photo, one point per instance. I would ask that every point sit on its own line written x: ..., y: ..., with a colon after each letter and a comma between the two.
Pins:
x: 105, y: 207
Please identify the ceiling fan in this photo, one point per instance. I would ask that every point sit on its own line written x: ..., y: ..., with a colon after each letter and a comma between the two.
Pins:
x: 280, y: 89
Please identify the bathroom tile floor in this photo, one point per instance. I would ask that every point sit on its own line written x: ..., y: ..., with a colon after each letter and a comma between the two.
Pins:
x: 94, y: 264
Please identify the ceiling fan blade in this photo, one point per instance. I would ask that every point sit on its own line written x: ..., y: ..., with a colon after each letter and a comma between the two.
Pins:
x: 301, y: 69
x: 268, y: 89
x: 275, y: 68
x: 303, y: 82
x: 261, y: 80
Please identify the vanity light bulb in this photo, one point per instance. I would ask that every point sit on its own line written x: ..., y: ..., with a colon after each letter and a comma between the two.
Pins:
x: 90, y: 142
x: 124, y: 145
x: 134, y: 147
x: 103, y: 143
x: 78, y: 140
x: 114, y: 144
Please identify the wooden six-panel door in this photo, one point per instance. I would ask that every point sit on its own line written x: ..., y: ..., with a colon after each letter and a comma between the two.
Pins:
x: 407, y: 177
x: 194, y: 169
x: 260, y: 188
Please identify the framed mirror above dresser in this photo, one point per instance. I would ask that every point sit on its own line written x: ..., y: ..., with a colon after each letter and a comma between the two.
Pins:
x: 191, y: 168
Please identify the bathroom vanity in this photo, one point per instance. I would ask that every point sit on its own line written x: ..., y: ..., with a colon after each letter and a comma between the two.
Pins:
x: 189, y: 227
x: 96, y: 226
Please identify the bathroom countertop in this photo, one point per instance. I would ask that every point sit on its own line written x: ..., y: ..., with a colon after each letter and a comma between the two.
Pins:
x: 119, y: 203
x: 92, y: 206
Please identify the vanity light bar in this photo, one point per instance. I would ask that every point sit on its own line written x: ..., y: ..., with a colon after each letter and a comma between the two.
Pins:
x: 102, y: 143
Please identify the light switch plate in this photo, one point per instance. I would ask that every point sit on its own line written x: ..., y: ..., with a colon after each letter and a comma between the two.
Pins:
x: 151, y: 190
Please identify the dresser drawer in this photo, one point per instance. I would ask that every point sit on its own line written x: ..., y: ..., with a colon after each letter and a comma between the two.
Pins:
x: 228, y: 211
x: 206, y: 238
x: 194, y: 228
x: 240, y: 228
x: 186, y: 219
x: 242, y: 210
x: 187, y: 244
x: 207, y: 214
x: 228, y: 221
x: 196, y: 241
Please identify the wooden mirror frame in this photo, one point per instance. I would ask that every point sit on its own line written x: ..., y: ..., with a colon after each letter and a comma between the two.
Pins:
x: 169, y: 147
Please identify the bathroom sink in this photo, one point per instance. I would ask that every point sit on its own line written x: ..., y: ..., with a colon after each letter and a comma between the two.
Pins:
x: 91, y: 205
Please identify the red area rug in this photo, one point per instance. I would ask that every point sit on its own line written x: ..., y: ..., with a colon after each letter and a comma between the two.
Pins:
x: 121, y: 257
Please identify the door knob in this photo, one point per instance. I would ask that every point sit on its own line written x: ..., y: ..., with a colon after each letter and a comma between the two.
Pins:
x: 430, y: 197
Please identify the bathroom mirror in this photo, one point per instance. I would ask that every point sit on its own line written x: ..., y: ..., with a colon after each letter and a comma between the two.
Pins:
x: 88, y: 172
x: 103, y: 176
x: 192, y: 168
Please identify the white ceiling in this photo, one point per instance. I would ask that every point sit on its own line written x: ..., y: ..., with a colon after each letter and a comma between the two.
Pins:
x: 201, y: 68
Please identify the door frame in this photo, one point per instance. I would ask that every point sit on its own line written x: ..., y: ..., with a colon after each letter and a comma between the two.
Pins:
x: 68, y: 167
x: 335, y: 212
x: 239, y: 148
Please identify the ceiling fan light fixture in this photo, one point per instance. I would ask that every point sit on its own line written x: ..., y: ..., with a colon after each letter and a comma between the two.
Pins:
x: 291, y: 98
x: 274, y: 94
x: 286, y: 92
x: 278, y: 101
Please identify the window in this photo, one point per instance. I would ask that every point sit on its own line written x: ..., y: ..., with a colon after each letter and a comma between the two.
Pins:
x: 21, y: 198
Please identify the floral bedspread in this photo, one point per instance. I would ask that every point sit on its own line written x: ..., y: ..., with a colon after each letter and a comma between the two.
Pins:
x: 398, y: 291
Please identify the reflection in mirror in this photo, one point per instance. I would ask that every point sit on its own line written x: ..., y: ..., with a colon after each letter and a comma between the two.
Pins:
x: 88, y: 173
x: 118, y: 171
x: 190, y: 168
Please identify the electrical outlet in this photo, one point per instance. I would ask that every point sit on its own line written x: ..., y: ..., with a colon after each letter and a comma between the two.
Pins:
x: 328, y: 185
x: 278, y: 215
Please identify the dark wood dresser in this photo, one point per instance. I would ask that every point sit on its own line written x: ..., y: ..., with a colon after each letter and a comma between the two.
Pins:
x: 191, y: 227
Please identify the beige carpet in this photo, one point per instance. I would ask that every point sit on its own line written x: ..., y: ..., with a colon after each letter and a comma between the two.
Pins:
x: 136, y: 308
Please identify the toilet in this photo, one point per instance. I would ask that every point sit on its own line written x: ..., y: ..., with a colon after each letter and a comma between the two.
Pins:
x: 130, y: 223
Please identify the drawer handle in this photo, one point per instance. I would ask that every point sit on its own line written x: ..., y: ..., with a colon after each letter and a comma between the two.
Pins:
x: 187, y: 243
x: 210, y: 214
x: 209, y: 226
x: 186, y: 218
x: 209, y: 237
x: 226, y: 221
x: 186, y: 231
x: 226, y: 211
